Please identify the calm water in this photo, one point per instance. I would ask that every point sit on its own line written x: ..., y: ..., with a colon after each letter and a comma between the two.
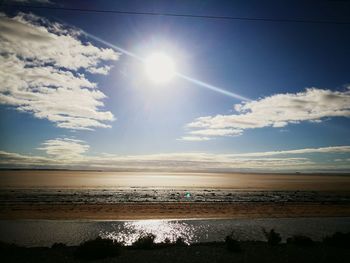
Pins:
x: 237, y: 181
x: 47, y: 232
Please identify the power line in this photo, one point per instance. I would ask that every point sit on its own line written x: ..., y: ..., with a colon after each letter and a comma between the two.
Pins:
x: 305, y: 21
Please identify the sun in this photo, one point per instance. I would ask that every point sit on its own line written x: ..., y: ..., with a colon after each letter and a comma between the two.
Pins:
x: 159, y: 68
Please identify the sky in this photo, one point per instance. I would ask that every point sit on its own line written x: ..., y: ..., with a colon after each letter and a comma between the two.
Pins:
x: 244, y: 95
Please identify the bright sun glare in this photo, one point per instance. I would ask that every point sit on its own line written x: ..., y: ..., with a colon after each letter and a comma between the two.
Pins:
x: 159, y: 67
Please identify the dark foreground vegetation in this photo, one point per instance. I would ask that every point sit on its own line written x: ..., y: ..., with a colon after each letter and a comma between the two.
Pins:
x: 335, y: 248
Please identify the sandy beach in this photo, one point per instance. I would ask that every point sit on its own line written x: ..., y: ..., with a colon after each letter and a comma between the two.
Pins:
x: 183, y: 210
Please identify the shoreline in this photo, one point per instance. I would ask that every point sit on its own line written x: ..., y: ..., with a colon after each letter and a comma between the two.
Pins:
x: 180, y: 210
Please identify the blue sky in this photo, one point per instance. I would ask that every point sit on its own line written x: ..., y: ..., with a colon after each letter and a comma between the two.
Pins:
x: 296, y: 74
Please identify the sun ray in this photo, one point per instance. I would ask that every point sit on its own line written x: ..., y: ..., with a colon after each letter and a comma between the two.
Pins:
x: 182, y: 76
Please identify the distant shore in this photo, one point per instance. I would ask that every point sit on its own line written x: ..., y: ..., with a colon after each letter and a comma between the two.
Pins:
x: 180, y: 210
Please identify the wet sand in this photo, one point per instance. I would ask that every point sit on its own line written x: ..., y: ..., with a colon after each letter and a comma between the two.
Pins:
x: 40, y: 209
x: 181, y: 210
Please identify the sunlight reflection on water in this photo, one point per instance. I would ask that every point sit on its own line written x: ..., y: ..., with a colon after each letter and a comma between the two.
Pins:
x: 130, y: 231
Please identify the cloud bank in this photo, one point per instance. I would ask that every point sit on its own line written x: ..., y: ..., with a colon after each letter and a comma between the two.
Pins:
x: 43, y: 66
x: 74, y: 154
x: 276, y: 111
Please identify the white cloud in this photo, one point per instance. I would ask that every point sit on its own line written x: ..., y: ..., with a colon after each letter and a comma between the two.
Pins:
x: 65, y: 148
x: 276, y: 111
x: 9, y: 159
x: 42, y: 65
x: 194, y: 138
x: 72, y: 153
x: 331, y: 149
x: 208, y: 134
x: 101, y: 70
x: 217, y: 132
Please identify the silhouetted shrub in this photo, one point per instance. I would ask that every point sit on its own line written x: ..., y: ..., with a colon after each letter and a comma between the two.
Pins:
x: 97, y: 249
x: 9, y: 251
x: 58, y: 246
x: 180, y: 242
x: 232, y: 244
x: 273, y: 238
x: 300, y: 240
x: 338, y: 239
x: 145, y: 242
x: 167, y: 241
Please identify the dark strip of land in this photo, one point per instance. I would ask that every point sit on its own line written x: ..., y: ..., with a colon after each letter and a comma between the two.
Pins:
x: 201, y: 253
